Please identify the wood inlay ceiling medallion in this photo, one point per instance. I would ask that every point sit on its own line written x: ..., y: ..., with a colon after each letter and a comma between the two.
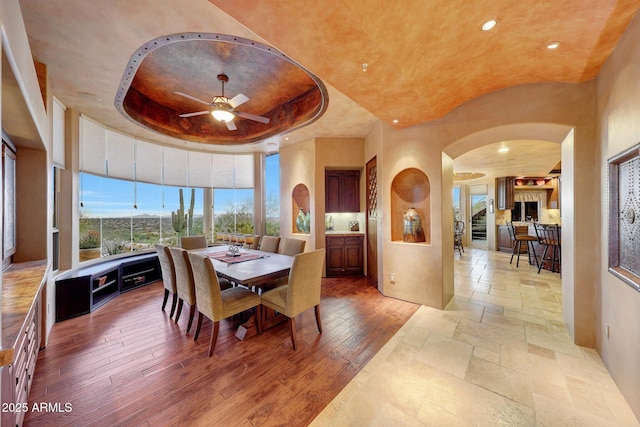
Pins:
x: 278, y: 88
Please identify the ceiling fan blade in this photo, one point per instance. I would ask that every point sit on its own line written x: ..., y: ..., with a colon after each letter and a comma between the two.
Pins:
x: 239, y: 99
x: 231, y: 125
x: 197, y: 113
x: 192, y: 98
x: 253, y: 117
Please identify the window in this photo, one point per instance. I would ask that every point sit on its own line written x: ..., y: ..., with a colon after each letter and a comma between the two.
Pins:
x: 233, y: 211
x: 119, y: 216
x: 272, y: 196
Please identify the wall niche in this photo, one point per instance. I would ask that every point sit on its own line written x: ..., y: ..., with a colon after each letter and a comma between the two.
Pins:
x: 410, y: 189
x: 301, y: 211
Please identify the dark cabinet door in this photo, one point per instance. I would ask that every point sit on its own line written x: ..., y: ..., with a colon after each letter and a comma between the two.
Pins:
x: 333, y: 183
x: 342, y: 191
x: 344, y: 255
x: 504, y: 239
x: 351, y: 191
x: 504, y: 190
x: 353, y: 259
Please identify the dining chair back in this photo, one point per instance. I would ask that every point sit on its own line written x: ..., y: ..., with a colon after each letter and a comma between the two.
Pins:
x: 519, y: 235
x: 217, y: 304
x: 193, y: 242
x: 458, y: 233
x: 301, y: 292
x: 291, y: 247
x: 549, y: 236
x: 184, y: 283
x: 269, y: 244
x: 168, y: 276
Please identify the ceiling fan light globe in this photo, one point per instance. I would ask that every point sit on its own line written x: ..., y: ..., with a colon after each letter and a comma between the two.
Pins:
x: 222, y: 115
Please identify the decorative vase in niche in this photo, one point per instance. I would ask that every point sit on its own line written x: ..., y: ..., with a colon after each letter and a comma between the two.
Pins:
x: 307, y: 222
x: 412, y: 227
x: 300, y: 221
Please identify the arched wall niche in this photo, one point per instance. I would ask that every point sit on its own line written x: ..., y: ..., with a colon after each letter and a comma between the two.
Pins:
x: 300, y: 200
x: 410, y: 188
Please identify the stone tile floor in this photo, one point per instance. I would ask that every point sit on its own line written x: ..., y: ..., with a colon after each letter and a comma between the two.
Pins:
x: 499, y: 354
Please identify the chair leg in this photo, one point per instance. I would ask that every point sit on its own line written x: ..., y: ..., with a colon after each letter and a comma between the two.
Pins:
x: 318, y: 322
x: 513, y: 251
x: 519, y: 246
x: 259, y: 318
x: 198, y: 326
x: 214, y: 337
x: 292, y: 330
x: 173, y: 305
x: 192, y: 311
x: 532, y: 253
x: 179, y: 309
x: 544, y: 254
x: 166, y: 297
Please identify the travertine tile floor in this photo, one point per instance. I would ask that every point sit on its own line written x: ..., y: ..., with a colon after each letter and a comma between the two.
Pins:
x: 498, y: 355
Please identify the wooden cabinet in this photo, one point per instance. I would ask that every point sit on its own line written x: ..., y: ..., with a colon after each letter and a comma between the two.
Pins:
x: 344, y: 255
x: 504, y: 190
x: 139, y: 272
x: 88, y: 288
x: 17, y: 377
x: 504, y: 239
x: 342, y: 191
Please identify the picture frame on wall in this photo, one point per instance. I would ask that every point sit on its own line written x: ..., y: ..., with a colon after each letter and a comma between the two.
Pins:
x: 624, y: 216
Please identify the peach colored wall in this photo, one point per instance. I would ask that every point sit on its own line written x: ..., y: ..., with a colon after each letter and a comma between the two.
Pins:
x: 618, y: 305
x: 418, y: 268
x: 297, y: 166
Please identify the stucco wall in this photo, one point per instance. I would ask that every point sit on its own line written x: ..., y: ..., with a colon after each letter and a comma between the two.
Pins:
x: 618, y: 305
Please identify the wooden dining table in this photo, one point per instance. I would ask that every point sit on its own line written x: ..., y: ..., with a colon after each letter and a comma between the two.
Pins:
x: 255, y: 270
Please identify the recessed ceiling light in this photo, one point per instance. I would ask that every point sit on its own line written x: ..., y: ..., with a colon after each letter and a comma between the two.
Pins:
x: 553, y: 45
x: 364, y: 67
x: 489, y: 24
x: 395, y: 120
x: 503, y: 150
x: 286, y: 138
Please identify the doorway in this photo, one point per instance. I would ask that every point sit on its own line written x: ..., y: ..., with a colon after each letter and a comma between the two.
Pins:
x: 372, y: 222
x: 478, y: 213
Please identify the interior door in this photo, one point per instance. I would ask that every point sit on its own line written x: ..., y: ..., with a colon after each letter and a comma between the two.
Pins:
x: 372, y: 222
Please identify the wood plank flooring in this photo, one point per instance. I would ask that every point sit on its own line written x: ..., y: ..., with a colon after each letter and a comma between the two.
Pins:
x: 129, y: 364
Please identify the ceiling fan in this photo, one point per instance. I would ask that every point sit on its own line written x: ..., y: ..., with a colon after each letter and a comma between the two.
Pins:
x: 223, y: 107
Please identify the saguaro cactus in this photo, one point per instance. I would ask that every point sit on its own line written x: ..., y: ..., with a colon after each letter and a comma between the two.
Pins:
x: 181, y: 220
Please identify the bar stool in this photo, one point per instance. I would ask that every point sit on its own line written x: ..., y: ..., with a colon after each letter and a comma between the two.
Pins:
x: 517, y: 237
x: 549, y: 236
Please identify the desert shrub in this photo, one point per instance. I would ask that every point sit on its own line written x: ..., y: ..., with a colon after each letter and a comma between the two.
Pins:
x: 90, y: 240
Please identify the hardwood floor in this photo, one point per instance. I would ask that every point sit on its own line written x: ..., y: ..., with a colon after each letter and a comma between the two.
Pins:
x: 129, y: 364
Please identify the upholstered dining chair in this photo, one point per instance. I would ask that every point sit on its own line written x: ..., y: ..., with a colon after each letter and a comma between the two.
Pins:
x: 269, y: 244
x: 217, y: 304
x: 168, y: 276
x: 184, y: 283
x: 301, y: 292
x: 193, y: 242
x: 291, y: 247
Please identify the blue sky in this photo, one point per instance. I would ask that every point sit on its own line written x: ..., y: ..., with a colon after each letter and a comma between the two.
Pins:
x: 107, y: 197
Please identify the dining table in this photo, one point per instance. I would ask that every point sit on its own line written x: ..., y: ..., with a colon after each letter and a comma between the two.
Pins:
x: 254, y: 270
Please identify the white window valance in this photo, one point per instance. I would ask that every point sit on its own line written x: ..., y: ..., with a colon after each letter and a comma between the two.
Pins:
x: 112, y: 154
x: 529, y: 196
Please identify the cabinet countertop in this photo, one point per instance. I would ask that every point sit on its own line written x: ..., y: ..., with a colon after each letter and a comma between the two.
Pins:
x: 21, y: 284
x: 344, y: 233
